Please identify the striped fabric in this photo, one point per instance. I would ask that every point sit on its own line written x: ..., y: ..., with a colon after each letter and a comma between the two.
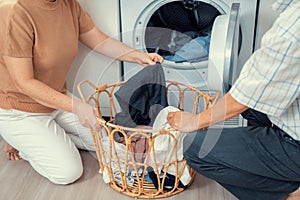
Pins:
x: 270, y: 79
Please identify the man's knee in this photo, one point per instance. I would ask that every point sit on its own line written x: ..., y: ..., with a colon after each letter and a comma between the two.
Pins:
x: 197, y: 151
x: 192, y: 145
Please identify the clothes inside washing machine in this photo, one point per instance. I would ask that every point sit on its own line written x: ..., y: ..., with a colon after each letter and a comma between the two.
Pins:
x: 180, y: 33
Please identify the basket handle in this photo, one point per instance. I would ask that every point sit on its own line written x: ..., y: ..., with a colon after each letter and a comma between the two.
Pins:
x: 86, y: 100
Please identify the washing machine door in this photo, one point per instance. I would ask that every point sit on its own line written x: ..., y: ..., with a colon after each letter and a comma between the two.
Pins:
x: 223, y: 56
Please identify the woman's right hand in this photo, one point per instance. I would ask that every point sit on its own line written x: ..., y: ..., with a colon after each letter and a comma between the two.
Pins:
x: 86, y: 114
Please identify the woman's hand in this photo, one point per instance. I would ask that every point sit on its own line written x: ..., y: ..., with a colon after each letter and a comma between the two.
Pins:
x: 183, y: 121
x: 86, y: 114
x: 145, y: 59
x: 10, y: 152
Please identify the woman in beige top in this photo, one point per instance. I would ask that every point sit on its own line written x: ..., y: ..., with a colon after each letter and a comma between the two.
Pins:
x: 38, y: 42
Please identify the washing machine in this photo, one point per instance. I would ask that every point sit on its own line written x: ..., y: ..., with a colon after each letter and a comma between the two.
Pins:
x: 204, y: 42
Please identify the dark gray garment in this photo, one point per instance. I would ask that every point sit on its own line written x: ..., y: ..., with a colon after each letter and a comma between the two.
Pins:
x: 258, y: 162
x: 142, y: 97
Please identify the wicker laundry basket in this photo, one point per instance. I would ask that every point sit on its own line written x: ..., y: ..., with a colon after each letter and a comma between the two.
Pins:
x: 116, y: 165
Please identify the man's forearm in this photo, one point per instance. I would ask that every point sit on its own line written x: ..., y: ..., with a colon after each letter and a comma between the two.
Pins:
x: 226, y: 108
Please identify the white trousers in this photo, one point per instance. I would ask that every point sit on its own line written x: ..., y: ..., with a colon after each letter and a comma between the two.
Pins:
x: 48, y: 142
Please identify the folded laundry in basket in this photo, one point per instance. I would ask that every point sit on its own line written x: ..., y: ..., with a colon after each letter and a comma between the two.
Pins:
x: 142, y: 97
x: 139, y: 143
x: 120, y: 151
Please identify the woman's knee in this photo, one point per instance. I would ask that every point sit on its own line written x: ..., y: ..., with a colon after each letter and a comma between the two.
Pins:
x: 66, y: 174
x: 62, y: 170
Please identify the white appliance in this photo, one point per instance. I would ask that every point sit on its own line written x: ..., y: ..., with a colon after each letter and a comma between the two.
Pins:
x: 88, y: 64
x: 231, y: 43
x: 265, y: 19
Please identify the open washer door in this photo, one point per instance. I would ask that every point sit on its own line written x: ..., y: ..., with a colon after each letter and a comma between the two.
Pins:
x: 223, y: 57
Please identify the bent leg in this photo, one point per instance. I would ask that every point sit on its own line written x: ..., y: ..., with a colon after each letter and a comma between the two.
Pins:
x: 251, y: 162
x: 43, y: 143
x: 80, y: 135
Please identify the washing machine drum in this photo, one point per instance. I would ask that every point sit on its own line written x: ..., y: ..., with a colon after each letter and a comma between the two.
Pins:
x: 174, y: 25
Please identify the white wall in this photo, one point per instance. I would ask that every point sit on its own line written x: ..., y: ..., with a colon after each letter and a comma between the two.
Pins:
x: 92, y: 66
x: 266, y: 17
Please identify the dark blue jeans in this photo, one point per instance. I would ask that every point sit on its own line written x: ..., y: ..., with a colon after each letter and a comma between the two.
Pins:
x: 258, y: 162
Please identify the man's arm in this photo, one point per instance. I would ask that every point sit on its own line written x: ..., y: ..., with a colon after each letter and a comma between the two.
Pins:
x: 226, y: 108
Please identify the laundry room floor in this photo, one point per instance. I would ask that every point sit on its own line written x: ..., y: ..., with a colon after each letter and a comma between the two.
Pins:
x: 18, y: 181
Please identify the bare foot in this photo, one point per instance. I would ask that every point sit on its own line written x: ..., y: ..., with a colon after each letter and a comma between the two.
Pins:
x: 10, y: 152
x: 294, y: 195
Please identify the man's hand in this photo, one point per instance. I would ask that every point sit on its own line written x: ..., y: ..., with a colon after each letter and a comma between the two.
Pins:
x: 226, y: 108
x: 183, y: 121
x: 10, y: 152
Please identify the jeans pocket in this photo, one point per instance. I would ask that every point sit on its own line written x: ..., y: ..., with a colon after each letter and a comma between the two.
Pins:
x: 290, y: 140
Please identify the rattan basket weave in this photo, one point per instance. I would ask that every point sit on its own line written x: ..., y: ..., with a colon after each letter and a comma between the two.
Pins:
x: 109, y: 155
